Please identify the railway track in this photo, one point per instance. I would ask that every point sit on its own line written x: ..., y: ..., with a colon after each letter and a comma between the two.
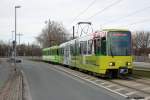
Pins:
x: 133, y: 85
x: 133, y: 88
x: 139, y: 79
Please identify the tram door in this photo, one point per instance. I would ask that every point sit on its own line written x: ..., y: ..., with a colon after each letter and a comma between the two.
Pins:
x: 67, y: 56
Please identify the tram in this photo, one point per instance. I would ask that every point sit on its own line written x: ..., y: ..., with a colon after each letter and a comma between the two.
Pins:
x: 104, y: 53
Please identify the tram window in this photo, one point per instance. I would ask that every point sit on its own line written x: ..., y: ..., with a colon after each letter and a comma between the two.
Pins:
x: 103, y: 46
x: 90, y: 42
x: 53, y: 53
x: 97, y: 46
x: 77, y: 48
x: 71, y: 49
x: 74, y: 50
x: 61, y: 51
x: 46, y: 52
x: 57, y: 52
x: 83, y: 47
x: 80, y: 47
x: 50, y: 52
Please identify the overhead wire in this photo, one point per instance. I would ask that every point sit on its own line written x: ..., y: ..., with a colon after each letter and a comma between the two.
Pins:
x: 129, y: 15
x: 82, y: 12
x: 105, y: 8
x: 137, y: 22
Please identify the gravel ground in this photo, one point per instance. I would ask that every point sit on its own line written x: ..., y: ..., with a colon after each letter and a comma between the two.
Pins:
x: 5, y: 70
x: 11, y: 82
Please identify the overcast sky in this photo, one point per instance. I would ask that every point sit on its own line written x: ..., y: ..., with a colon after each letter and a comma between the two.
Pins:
x: 33, y: 14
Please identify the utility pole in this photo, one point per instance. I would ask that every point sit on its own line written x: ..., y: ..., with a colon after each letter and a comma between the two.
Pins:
x: 73, y: 32
x: 15, y: 32
x: 32, y: 51
x: 28, y: 53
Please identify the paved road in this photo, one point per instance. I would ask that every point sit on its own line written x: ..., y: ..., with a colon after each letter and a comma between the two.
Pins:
x: 45, y: 83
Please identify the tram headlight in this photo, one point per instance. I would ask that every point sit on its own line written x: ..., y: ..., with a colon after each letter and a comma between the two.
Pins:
x: 111, y: 64
x: 128, y: 63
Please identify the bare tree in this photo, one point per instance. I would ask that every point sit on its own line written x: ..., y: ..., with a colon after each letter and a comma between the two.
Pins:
x: 141, y: 42
x: 53, y: 34
x: 142, y: 39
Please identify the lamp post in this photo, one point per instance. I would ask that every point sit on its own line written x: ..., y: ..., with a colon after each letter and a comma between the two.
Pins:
x: 12, y: 34
x: 15, y: 32
x: 11, y: 43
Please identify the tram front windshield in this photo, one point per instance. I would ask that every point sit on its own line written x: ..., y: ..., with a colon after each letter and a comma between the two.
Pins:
x: 119, y: 43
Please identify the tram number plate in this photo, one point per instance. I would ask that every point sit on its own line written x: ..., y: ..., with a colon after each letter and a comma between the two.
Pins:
x: 123, y: 70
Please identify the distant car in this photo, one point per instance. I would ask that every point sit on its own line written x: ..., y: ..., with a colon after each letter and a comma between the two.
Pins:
x: 18, y: 60
x: 13, y: 60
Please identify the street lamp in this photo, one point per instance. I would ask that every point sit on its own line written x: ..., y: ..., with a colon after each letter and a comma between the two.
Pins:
x: 15, y: 32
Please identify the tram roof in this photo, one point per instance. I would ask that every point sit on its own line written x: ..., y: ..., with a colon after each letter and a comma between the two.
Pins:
x: 53, y: 47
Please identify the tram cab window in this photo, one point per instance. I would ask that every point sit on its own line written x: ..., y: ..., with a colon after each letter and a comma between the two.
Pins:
x: 103, y: 45
x: 97, y: 46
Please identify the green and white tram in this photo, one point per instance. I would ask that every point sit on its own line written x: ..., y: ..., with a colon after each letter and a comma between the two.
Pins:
x: 105, y: 53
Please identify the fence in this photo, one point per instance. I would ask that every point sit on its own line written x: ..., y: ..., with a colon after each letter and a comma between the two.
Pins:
x: 141, y: 59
